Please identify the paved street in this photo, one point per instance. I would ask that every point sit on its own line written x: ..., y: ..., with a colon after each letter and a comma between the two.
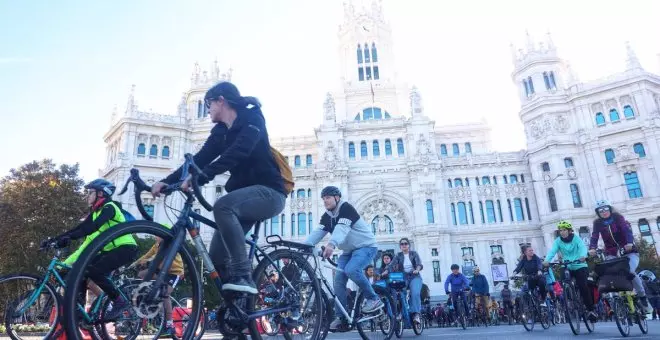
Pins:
x: 605, y: 330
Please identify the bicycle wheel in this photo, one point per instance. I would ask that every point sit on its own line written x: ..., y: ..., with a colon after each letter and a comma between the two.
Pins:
x: 306, y: 291
x: 640, y: 317
x: 40, y: 303
x: 384, y: 317
x: 418, y: 327
x: 328, y: 312
x: 77, y: 274
x: 528, y: 311
x: 620, y: 309
x: 571, y: 308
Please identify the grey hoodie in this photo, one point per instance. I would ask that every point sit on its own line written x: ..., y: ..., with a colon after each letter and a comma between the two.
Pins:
x: 349, y: 231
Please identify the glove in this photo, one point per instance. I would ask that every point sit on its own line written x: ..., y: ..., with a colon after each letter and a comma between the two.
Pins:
x: 45, y: 243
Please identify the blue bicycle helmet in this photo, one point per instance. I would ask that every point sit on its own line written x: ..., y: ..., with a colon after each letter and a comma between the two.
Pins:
x: 102, y: 185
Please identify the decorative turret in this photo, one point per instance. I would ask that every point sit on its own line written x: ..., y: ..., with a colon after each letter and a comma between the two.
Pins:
x: 205, y: 78
x: 182, y: 110
x: 538, y: 70
x: 131, y: 105
x: 632, y: 63
x: 416, y: 107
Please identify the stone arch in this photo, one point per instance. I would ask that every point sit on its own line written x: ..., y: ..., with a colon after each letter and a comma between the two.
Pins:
x: 389, y: 204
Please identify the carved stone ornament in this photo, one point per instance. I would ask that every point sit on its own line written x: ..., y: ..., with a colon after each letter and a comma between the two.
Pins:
x: 427, y: 189
x: 384, y: 207
x: 571, y: 173
x: 380, y: 187
x: 301, y: 204
x: 545, y: 126
x: 624, y: 153
x: 460, y: 194
x: 424, y: 153
x: 515, y: 190
x: 329, y: 107
x: 488, y: 191
x: 330, y: 157
x: 415, y: 101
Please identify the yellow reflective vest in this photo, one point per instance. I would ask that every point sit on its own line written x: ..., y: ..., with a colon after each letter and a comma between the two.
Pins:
x: 120, y: 241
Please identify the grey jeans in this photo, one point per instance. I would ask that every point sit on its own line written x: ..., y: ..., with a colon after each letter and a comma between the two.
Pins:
x: 235, y: 214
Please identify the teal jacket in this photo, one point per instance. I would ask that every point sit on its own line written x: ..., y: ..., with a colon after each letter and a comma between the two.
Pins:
x: 570, y: 251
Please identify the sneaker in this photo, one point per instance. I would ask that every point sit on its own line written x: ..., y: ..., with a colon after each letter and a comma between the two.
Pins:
x: 116, y: 309
x: 242, y: 284
x: 645, y: 305
x: 542, y: 304
x: 336, y: 324
x: 592, y: 316
x: 417, y: 319
x: 370, y: 306
x: 168, y: 332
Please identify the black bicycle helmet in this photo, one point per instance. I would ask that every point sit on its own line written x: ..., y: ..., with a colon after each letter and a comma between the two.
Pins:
x: 330, y: 191
x: 454, y: 266
x: 102, y: 185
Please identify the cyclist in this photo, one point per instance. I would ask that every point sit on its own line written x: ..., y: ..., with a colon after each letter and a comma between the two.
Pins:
x: 353, y: 236
x: 239, y: 144
x: 481, y: 290
x: 104, y: 213
x: 174, y: 276
x: 409, y: 262
x: 458, y: 283
x: 531, y: 264
x: 572, y: 248
x: 617, y: 234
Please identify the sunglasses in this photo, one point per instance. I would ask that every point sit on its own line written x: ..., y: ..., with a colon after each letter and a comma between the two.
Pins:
x: 603, y: 209
x: 403, y: 244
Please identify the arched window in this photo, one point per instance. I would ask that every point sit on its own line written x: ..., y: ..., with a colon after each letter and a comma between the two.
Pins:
x: 399, y: 147
x: 600, y: 119
x: 546, y: 80
x: 359, y: 54
x: 614, y: 115
x: 628, y: 112
x: 639, y: 150
x: 149, y: 208
x: 309, y: 193
x: 367, y: 55
x: 200, y: 109
x: 458, y: 182
x: 455, y: 149
x: 443, y: 150
x: 302, y: 224
x: 517, y: 203
x: 363, y: 149
x: 429, y: 212
x: 376, y: 148
x: 505, y: 179
x: 462, y: 213
x: 296, y: 161
x: 490, y: 212
x: 531, y: 85
x: 388, y: 147
x: 293, y: 225
x: 283, y: 224
x: 471, y: 212
x: 468, y: 148
x: 645, y: 231
x: 632, y: 184
x: 526, y: 87
x: 382, y: 225
x: 300, y: 193
x: 508, y: 203
x: 485, y: 180
x: 575, y: 194
x: 453, y: 214
x: 499, y: 210
x: 513, y: 179
x: 308, y: 160
x: 481, y: 212
x: 351, y: 150
x: 552, y: 199
x: 142, y: 149
x: 374, y: 53
x: 467, y: 182
x: 275, y: 225
x: 153, y: 151
x: 545, y: 166
x: 568, y: 162
x: 609, y: 156
x: 165, y: 153
x: 553, y: 84
x: 449, y: 183
x: 522, y: 178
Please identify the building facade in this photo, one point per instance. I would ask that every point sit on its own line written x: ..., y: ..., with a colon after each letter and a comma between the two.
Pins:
x: 443, y: 187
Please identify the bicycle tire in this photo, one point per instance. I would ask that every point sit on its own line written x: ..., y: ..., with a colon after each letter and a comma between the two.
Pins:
x: 328, y: 310
x: 302, y: 263
x: 77, y: 272
x: 529, y: 311
x: 641, y: 317
x: 57, y: 300
x: 620, y: 309
x: 383, y: 294
x: 572, y: 310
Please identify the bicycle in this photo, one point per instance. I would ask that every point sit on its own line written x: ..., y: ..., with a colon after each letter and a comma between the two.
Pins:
x: 531, y: 310
x: 460, y: 307
x: 571, y: 301
x: 238, y: 312
x: 397, y: 284
x: 624, y: 302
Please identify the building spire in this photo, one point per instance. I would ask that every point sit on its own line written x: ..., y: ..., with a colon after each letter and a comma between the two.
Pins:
x: 632, y: 63
x: 131, y: 106
x: 529, y: 42
x: 549, y: 41
x: 416, y: 106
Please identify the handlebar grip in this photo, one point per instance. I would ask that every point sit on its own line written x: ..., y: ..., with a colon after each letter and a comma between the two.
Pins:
x: 328, y: 259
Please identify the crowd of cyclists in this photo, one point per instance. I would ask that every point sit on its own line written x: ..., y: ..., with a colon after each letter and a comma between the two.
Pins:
x: 239, y: 144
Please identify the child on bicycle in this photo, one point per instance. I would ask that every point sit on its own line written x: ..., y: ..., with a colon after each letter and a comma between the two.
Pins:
x: 458, y: 283
x: 104, y: 214
x: 174, y: 276
x: 352, y: 235
x: 572, y: 248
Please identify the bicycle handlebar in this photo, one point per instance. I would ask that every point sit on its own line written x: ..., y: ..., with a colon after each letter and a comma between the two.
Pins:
x: 566, y: 263
x: 189, y: 168
x: 328, y: 259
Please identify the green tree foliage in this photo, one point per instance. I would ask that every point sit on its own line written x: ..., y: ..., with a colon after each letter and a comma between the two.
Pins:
x: 37, y: 200
x: 648, y: 256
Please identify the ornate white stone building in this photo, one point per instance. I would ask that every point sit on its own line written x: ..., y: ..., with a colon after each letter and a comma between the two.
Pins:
x: 441, y: 186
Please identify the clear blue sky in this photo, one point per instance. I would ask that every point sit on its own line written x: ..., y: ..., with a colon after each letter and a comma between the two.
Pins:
x: 65, y: 64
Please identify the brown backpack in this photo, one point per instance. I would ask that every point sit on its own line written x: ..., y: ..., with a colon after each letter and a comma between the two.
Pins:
x: 285, y: 170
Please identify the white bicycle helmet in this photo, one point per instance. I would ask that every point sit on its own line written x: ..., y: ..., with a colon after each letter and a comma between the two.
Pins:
x: 602, y: 203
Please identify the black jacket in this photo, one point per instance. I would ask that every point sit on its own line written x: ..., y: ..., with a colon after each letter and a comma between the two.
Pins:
x: 244, y: 151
